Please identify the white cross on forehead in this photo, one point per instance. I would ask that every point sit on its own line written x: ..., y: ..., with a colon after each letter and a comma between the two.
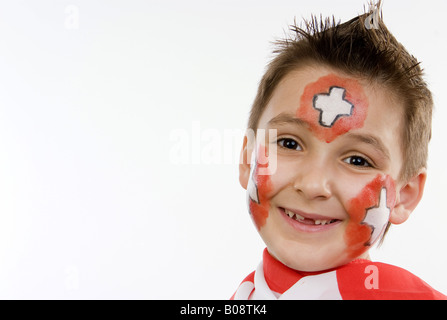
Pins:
x: 332, y: 106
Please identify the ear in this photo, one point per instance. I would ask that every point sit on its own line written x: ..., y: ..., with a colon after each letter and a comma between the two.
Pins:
x: 244, y: 163
x: 408, y: 197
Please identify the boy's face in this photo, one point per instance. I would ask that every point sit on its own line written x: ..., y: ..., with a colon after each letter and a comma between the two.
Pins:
x: 330, y: 187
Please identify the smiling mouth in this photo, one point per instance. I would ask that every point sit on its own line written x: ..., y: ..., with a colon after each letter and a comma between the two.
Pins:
x: 309, y: 219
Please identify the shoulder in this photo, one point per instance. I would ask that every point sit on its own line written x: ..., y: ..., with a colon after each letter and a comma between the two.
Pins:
x: 363, y: 279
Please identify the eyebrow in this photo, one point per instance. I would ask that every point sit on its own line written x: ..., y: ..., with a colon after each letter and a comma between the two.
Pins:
x: 371, y: 140
x: 286, y: 118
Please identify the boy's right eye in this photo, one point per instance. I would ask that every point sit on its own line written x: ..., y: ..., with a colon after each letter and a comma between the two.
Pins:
x: 289, y: 143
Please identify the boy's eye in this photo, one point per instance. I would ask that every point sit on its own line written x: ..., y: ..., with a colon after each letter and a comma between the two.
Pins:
x: 357, y: 161
x: 289, y: 143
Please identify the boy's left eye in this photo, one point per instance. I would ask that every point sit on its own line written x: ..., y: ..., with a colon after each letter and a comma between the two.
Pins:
x: 357, y: 161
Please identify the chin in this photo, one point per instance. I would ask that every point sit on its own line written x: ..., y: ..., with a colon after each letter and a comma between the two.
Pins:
x: 308, y: 258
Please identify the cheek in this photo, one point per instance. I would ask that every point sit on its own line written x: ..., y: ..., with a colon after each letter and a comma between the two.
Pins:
x: 369, y: 213
x: 259, y: 188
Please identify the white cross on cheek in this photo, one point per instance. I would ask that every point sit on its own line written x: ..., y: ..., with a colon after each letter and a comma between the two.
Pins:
x: 332, y: 106
x: 252, y: 188
x: 377, y: 217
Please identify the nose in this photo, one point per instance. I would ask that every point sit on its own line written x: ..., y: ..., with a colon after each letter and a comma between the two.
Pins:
x: 313, y: 181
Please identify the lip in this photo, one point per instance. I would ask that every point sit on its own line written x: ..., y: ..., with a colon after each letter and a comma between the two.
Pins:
x: 302, y: 227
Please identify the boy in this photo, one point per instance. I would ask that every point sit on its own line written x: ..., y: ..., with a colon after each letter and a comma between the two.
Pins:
x: 342, y: 120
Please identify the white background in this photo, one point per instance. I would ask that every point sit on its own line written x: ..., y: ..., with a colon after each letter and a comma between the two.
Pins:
x: 93, y: 204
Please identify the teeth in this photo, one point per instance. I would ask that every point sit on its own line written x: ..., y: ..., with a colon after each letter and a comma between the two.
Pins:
x: 322, y: 222
x: 289, y: 213
x: 294, y: 215
x: 298, y: 217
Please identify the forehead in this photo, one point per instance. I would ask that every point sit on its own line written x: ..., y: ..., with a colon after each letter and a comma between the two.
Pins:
x: 304, y: 92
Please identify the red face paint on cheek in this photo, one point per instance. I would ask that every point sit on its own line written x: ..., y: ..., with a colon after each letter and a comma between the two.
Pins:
x: 332, y: 106
x: 258, y: 189
x: 369, y: 214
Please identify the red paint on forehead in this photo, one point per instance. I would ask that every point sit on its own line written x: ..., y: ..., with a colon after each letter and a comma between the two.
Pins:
x: 260, y: 212
x: 358, y: 234
x: 354, y: 94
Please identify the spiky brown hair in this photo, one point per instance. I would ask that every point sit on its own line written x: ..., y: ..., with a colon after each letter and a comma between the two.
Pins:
x: 364, y: 48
